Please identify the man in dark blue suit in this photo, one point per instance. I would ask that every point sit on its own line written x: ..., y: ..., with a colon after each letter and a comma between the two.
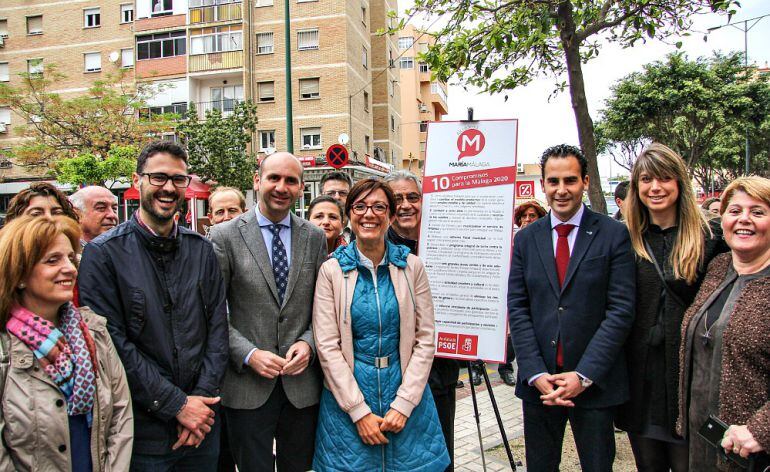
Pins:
x: 571, y: 306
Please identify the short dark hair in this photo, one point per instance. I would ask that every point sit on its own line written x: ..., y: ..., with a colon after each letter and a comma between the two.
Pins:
x: 156, y: 147
x: 562, y: 151
x: 621, y: 190
x: 324, y: 199
x: 20, y: 202
x: 364, y: 187
x: 336, y: 175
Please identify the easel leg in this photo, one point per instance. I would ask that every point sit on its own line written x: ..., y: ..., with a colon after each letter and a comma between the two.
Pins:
x: 477, y: 416
x: 497, y: 415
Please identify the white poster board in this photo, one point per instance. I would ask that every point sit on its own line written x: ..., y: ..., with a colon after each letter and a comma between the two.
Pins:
x: 466, y: 234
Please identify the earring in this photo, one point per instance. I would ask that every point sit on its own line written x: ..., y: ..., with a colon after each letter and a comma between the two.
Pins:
x: 22, y: 286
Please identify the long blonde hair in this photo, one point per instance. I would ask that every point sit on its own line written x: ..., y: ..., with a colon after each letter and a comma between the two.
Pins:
x: 23, y: 243
x: 687, y: 254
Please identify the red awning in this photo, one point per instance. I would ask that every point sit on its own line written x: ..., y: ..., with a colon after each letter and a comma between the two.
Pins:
x: 197, y: 190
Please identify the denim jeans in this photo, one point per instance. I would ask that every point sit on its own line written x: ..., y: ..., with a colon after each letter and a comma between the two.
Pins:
x: 185, y: 459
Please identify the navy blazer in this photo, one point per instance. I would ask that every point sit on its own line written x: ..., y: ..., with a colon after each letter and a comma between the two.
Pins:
x: 592, y: 313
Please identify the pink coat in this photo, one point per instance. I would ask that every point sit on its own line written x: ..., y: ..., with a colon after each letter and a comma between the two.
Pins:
x: 334, y: 337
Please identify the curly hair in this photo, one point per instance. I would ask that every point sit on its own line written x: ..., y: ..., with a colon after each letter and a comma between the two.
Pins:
x: 520, y: 210
x: 19, y: 203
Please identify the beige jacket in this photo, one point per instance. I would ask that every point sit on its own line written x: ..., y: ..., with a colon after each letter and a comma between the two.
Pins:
x: 33, y: 419
x: 334, y: 337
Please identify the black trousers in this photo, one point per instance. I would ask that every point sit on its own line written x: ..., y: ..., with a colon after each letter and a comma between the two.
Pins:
x: 652, y: 455
x: 510, y: 356
x: 445, y: 399
x: 544, y: 434
x: 251, y: 434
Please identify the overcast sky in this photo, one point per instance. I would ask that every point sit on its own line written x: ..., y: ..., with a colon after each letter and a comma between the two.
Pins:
x: 543, y: 123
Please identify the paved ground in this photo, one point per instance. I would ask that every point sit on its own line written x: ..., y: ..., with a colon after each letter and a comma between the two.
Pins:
x: 467, y: 450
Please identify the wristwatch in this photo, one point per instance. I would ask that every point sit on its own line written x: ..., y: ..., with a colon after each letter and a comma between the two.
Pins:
x: 585, y: 382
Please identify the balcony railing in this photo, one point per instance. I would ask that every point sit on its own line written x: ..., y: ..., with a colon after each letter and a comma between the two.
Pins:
x: 225, y: 106
x: 214, y: 13
x: 216, y: 61
x: 437, y: 89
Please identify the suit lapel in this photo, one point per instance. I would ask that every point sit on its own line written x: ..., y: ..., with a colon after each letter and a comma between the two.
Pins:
x: 586, y: 234
x: 544, y: 242
x: 252, y: 236
x: 298, y: 251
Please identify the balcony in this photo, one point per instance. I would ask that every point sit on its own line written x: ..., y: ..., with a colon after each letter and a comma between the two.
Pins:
x: 216, y: 61
x: 225, y: 106
x: 216, y: 13
x: 439, y: 97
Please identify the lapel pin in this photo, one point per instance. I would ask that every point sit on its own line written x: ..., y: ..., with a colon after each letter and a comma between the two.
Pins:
x: 589, y: 232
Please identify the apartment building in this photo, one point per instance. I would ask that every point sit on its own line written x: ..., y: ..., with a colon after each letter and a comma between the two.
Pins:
x: 422, y: 100
x: 85, y: 39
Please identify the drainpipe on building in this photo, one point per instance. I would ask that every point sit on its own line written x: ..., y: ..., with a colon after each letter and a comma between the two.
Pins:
x: 289, y: 112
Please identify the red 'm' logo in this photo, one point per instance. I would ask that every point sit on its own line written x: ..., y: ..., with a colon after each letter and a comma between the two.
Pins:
x: 470, y: 143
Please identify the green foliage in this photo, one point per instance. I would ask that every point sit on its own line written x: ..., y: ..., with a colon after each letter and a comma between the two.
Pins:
x: 89, y: 169
x: 217, y: 147
x: 701, y: 108
x: 498, y: 45
x: 62, y: 128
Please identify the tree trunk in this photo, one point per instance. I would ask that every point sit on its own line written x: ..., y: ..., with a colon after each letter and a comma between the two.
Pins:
x: 585, y: 124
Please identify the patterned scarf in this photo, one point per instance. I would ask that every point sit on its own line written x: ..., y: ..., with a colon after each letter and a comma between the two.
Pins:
x: 67, y: 356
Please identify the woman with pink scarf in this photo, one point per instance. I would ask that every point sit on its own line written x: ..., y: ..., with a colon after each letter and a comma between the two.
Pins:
x: 64, y: 400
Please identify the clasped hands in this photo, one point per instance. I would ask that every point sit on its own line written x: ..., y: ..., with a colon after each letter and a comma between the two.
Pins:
x: 371, y: 427
x: 195, y: 421
x: 270, y: 365
x: 558, y: 389
x: 739, y: 440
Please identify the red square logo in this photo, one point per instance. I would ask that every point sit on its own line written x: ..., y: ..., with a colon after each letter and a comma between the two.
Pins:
x: 467, y: 344
x: 447, y: 342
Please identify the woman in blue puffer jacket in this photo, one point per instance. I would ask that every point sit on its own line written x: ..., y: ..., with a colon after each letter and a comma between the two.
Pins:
x: 374, y: 334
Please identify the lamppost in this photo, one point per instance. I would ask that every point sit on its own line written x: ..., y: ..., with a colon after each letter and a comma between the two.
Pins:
x: 745, y: 27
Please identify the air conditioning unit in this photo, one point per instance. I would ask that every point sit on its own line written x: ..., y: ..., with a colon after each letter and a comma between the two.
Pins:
x: 519, y: 168
x: 2, y: 41
x: 423, y: 109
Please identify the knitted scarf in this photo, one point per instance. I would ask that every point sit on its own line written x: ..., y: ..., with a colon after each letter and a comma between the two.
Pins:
x: 68, y: 355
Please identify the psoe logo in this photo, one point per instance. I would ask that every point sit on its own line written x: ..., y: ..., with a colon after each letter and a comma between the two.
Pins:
x: 470, y: 143
x: 447, y: 342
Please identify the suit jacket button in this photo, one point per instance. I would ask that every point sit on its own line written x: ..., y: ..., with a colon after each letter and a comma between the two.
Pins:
x: 59, y: 402
x: 62, y: 448
x: 281, y: 319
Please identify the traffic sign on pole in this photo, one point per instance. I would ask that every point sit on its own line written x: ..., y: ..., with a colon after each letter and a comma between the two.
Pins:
x: 337, y: 156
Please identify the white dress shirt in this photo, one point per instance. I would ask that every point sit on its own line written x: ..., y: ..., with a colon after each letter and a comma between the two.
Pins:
x: 575, y: 220
x: 267, y: 235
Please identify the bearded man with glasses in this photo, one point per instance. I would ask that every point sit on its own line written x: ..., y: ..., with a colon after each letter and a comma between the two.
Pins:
x: 160, y: 287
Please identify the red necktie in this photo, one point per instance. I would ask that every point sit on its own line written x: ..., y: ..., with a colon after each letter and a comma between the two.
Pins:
x: 562, y: 262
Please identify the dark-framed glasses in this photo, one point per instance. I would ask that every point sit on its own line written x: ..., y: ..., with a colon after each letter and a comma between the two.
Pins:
x: 411, y: 197
x: 361, y: 208
x: 159, y: 179
x: 332, y: 193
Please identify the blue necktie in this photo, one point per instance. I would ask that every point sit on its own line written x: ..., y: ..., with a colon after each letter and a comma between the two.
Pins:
x: 280, y: 262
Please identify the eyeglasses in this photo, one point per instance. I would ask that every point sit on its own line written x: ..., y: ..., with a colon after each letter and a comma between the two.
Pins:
x: 159, y: 179
x: 361, y: 208
x: 341, y: 193
x: 412, y: 197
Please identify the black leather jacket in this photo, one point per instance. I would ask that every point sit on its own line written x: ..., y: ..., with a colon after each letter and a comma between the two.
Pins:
x: 164, y: 301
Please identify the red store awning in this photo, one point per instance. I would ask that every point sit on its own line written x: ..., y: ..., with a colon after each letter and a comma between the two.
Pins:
x: 197, y: 190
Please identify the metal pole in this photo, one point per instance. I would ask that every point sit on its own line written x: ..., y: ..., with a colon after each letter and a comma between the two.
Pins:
x: 746, y: 65
x: 289, y: 111
x: 477, y: 415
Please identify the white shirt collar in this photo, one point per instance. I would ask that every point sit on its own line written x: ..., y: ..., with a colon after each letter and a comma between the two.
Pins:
x: 264, y: 221
x: 575, y: 220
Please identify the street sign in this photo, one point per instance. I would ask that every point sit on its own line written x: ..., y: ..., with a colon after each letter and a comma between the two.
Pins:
x: 337, y: 156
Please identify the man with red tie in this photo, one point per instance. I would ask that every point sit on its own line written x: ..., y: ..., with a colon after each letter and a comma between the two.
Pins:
x: 571, y: 305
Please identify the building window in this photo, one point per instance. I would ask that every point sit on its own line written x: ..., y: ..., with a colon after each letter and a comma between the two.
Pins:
x: 35, y: 24
x: 392, y: 123
x: 422, y: 146
x: 127, y: 13
x: 226, y: 98
x: 179, y: 108
x: 219, y: 41
x: 92, y: 17
x: 5, y: 115
x: 307, y: 39
x: 366, y: 144
x: 93, y: 61
x: 405, y: 42
x: 127, y: 58
x: 5, y: 75
x: 311, y: 138
x: 266, y: 91
x: 264, y: 43
x: 406, y: 62
x: 365, y: 59
x: 266, y: 140
x: 4, y: 28
x: 35, y: 67
x: 156, y: 46
x: 306, y: 1
x: 162, y: 7
x: 366, y: 102
x: 309, y: 88
x: 363, y: 14
x: 424, y: 67
x: 423, y: 127
x: 263, y: 3
x: 390, y: 87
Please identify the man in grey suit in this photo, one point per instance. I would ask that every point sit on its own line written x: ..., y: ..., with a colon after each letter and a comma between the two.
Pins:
x: 269, y: 259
